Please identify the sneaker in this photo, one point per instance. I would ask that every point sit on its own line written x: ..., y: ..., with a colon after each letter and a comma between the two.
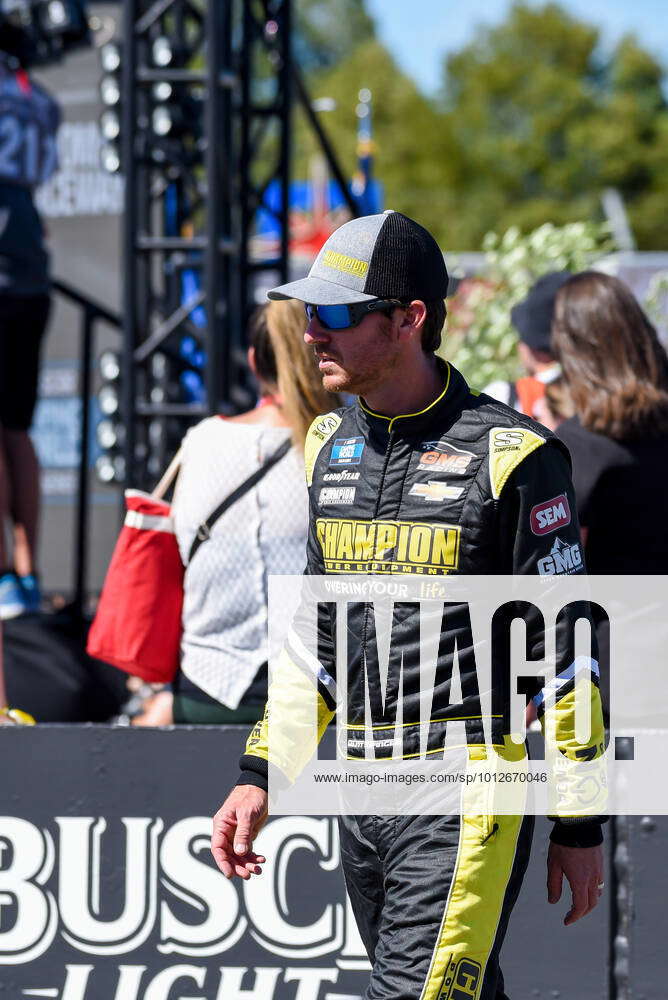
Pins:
x: 14, y: 716
x: 12, y: 600
x: 32, y: 595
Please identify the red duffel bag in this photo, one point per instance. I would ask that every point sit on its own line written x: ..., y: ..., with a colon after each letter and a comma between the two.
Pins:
x: 137, y: 626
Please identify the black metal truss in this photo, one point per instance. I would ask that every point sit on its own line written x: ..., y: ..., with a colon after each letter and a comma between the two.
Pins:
x: 191, y: 200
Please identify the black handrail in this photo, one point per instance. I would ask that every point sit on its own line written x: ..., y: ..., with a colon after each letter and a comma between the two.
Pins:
x: 92, y: 312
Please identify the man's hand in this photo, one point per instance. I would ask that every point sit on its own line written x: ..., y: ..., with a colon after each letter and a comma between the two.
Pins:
x: 583, y: 867
x: 235, y: 826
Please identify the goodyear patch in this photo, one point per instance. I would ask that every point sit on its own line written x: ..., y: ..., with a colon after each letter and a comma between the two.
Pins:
x: 350, y: 546
x: 341, y: 262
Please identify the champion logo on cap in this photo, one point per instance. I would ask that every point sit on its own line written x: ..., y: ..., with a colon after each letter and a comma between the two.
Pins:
x: 340, y: 262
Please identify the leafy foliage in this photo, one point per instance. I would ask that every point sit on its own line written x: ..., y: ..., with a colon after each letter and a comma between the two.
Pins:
x: 531, y: 126
x: 327, y: 31
x: 544, y: 126
x: 480, y: 338
x: 413, y: 154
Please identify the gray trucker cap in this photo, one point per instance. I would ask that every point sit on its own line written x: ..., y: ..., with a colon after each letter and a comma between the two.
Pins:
x: 387, y: 256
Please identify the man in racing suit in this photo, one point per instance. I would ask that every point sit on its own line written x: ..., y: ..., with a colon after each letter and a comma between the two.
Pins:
x: 422, y: 476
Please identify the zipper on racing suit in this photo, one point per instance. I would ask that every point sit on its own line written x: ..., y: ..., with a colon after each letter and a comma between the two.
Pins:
x: 388, y: 453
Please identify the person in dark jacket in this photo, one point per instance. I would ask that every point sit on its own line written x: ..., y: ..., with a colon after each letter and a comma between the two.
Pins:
x: 615, y: 372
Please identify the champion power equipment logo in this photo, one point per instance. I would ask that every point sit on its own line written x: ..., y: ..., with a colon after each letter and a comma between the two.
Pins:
x: 350, y: 546
x: 166, y: 923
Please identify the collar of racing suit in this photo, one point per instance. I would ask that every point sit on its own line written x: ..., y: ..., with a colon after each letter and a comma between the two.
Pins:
x: 450, y: 400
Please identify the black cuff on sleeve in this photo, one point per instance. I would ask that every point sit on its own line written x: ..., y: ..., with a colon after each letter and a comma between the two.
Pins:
x: 587, y: 833
x: 253, y: 778
x: 253, y: 771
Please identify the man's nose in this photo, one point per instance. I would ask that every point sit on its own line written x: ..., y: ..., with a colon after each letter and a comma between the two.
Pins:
x: 315, y: 333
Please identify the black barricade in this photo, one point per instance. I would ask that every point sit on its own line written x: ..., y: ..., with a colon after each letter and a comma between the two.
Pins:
x: 108, y: 891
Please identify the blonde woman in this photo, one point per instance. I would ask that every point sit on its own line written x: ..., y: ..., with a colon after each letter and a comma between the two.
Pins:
x: 224, y: 652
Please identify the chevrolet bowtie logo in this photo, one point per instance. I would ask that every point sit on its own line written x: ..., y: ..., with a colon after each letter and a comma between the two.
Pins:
x: 436, y: 490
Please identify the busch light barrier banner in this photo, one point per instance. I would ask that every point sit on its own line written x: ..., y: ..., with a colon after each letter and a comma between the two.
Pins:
x: 108, y: 890
x: 435, y: 681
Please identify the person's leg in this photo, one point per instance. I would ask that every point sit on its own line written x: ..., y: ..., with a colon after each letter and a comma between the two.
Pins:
x: 23, y: 322
x: 5, y: 391
x: 3, y: 690
x: 447, y: 887
x: 12, y: 602
x: 363, y: 874
x: 23, y: 469
x: 4, y: 504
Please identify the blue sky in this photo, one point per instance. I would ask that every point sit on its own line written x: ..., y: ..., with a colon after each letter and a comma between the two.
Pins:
x: 420, y: 32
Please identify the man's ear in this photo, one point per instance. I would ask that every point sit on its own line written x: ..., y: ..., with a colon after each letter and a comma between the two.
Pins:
x: 412, y: 319
x: 250, y: 356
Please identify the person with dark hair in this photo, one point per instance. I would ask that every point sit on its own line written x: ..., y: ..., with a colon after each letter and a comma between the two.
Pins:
x: 29, y: 119
x: 224, y: 649
x: 439, y: 480
x: 532, y: 318
x: 615, y: 372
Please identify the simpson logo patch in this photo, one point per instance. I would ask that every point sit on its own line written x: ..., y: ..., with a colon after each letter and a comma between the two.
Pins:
x: 548, y: 516
x: 563, y: 560
x: 507, y: 440
x: 326, y: 425
x: 337, y: 494
x: 341, y: 262
x: 387, y: 546
x: 435, y: 490
x: 347, y: 451
x: 462, y: 980
x: 438, y: 456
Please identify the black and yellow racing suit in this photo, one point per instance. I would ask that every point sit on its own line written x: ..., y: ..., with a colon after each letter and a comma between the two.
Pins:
x: 466, y: 486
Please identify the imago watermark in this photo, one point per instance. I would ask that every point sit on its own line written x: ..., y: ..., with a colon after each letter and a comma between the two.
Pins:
x: 391, y: 695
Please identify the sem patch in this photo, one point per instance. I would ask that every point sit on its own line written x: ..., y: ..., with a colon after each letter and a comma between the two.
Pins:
x: 550, y: 515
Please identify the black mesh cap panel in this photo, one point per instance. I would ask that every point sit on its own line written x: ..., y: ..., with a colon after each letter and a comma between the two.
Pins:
x: 406, y: 263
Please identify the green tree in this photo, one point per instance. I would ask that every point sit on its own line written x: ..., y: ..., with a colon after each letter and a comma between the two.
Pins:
x: 328, y: 30
x: 414, y: 157
x: 543, y: 125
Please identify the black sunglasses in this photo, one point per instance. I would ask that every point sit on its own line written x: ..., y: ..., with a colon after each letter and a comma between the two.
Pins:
x: 340, y: 317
